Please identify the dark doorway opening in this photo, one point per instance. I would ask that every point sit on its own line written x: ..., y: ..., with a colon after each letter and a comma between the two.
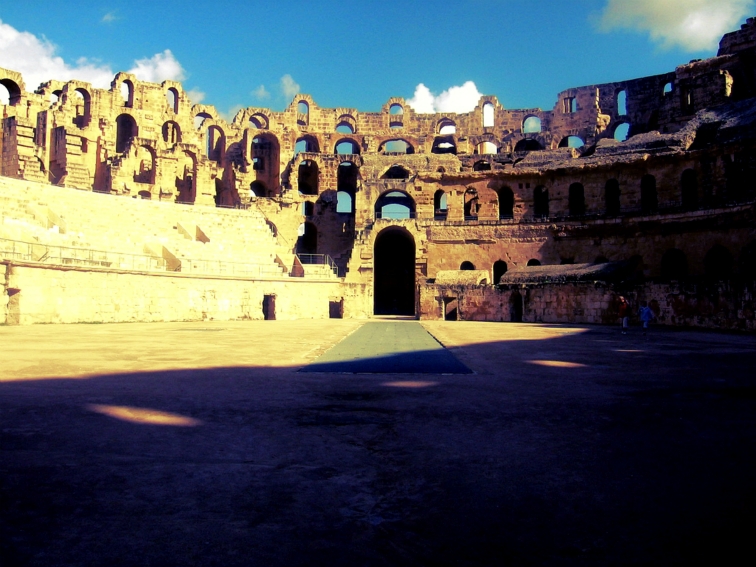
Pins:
x: 515, y: 307
x: 269, y: 307
x: 336, y: 308
x: 451, y: 312
x: 394, y: 259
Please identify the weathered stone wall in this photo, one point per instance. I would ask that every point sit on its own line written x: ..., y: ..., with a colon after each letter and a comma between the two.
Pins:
x: 727, y: 305
x: 34, y: 294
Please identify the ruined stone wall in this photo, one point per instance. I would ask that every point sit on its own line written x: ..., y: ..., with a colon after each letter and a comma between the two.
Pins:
x: 723, y: 305
x: 35, y: 294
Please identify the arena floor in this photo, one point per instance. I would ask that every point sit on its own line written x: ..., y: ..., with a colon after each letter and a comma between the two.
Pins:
x: 201, y: 444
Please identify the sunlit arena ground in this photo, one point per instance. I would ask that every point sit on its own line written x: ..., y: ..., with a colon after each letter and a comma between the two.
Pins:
x: 202, y: 444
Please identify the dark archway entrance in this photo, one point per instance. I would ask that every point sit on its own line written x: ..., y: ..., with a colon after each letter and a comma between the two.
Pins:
x: 394, y: 260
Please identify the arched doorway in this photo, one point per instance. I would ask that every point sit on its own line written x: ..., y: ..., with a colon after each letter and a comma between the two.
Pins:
x: 394, y: 276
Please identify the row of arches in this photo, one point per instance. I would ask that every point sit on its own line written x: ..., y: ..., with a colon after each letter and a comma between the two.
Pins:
x: 718, y: 263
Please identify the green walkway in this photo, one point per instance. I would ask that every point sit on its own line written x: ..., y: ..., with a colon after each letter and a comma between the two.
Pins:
x: 389, y: 348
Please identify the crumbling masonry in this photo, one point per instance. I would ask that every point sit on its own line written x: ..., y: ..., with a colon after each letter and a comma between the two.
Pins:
x: 644, y: 187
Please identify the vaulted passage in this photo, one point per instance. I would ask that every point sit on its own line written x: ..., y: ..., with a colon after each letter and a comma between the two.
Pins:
x: 394, y: 276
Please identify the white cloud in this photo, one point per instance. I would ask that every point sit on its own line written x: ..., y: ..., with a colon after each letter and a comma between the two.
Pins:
x: 261, y: 93
x: 693, y: 25
x: 289, y: 87
x: 457, y: 99
x: 35, y: 58
x: 158, y: 68
x: 109, y: 17
x: 196, y: 96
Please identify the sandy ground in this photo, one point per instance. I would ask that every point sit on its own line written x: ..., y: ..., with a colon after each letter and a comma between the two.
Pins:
x: 201, y: 444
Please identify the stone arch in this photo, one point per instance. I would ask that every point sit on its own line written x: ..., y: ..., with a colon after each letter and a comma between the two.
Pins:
x: 258, y: 189
x: 621, y: 131
x: 446, y: 127
x: 199, y: 119
x: 621, y: 100
x: 171, y: 133
x: 145, y: 165
x: 499, y: 269
x: 396, y: 146
x: 396, y: 172
x: 612, y: 197
x: 488, y: 115
x: 467, y: 266
x: 541, y: 202
x: 307, y: 243
x: 648, y: 197
x: 346, y: 124
x: 82, y: 101
x: 394, y: 272
x: 506, y: 203
x: 308, y: 177
x: 394, y: 205
x: 266, y: 164
x: 126, y: 88
x: 482, y: 165
x: 486, y: 147
x: 186, y: 178
x: 572, y: 142
x: 440, y: 205
x: 215, y: 142
x: 534, y: 262
x: 444, y: 145
x: 528, y: 145
x: 126, y: 130
x: 472, y: 204
x: 172, y: 99
x: 576, y: 200
x: 346, y: 185
x: 14, y: 91
x: 258, y: 121
x: 346, y: 146
x: 531, y: 124
x: 307, y: 144
x: 303, y: 113
x: 689, y: 190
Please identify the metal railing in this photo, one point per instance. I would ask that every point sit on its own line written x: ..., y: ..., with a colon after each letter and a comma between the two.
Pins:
x: 70, y: 256
x: 320, y: 260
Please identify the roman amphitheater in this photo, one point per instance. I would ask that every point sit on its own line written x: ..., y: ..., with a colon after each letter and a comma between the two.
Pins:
x: 133, y: 204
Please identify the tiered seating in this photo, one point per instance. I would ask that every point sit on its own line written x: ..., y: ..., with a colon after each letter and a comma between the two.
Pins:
x: 190, y: 239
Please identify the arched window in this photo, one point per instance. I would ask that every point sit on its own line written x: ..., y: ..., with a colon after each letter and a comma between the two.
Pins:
x: 572, y: 142
x: 307, y: 243
x: 467, y: 265
x: 499, y: 269
x: 257, y: 189
x: 216, y: 144
x: 718, y: 263
x: 346, y: 183
x: 612, y: 197
x: 541, y: 202
x: 531, y: 125
x: 506, y: 204
x: 576, y: 200
x: 258, y: 122
x: 396, y: 109
x: 649, y: 199
x: 83, y: 102
x: 171, y: 133
x: 528, y: 145
x: 668, y: 88
x: 486, y: 148
x: 621, y: 132
x: 307, y: 144
x: 622, y: 103
x: 396, y: 172
x: 689, y: 190
x: 200, y: 118
x: 472, y: 204
x: 307, y: 177
x: 347, y: 147
x: 444, y: 145
x: 481, y: 165
x: 446, y: 127
x: 534, y: 262
x: 10, y: 92
x: 145, y: 171
x: 344, y: 128
x: 674, y: 264
x: 126, y: 130
x: 303, y: 113
x: 396, y: 147
x: 440, y: 206
x: 344, y: 202
x: 488, y: 115
x: 395, y: 205
x: 127, y: 93
x: 172, y: 98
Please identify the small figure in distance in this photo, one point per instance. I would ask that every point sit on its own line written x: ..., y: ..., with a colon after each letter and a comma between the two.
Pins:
x: 624, y: 315
x: 646, y: 315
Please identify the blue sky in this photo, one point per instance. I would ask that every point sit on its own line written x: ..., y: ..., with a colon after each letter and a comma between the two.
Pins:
x: 359, y: 54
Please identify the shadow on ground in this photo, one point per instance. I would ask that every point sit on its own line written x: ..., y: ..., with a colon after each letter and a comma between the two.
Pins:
x: 583, y: 449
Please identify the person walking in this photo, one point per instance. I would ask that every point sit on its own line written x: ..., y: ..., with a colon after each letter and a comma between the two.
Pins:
x: 646, y: 315
x: 624, y: 314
